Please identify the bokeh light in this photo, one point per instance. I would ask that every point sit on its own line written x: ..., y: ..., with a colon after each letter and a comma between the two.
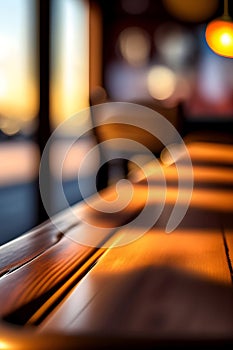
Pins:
x: 135, y: 46
x: 174, y: 43
x: 191, y: 10
x: 161, y: 82
x: 11, y: 129
x: 219, y: 36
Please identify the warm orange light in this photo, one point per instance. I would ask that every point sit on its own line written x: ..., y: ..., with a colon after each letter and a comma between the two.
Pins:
x: 4, y: 345
x: 219, y: 37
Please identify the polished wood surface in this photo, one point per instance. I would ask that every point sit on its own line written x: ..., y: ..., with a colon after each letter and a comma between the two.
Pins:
x: 46, y: 273
x: 155, y: 298
x: 181, y: 283
x: 159, y: 287
x: 16, y: 253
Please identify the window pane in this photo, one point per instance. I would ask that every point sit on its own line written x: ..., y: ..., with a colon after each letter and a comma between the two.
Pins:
x: 19, y: 99
x: 18, y: 88
x: 70, y: 57
x: 69, y: 96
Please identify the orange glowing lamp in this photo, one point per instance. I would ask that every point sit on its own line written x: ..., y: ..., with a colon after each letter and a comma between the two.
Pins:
x: 219, y: 34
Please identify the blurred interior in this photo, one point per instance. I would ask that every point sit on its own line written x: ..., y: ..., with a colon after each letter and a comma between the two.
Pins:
x: 59, y: 56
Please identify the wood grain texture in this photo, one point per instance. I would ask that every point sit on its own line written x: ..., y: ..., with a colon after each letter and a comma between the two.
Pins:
x: 174, y: 285
x: 25, y: 248
x: 159, y: 285
x: 34, y: 282
x: 24, y: 290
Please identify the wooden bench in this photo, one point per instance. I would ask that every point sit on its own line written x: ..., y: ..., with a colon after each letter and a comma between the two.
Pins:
x: 158, y: 290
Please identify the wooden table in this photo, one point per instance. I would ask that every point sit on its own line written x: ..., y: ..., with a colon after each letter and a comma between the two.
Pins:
x: 158, y: 290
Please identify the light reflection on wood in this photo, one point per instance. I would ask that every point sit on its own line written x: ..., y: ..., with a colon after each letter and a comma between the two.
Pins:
x: 163, y: 276
x: 211, y: 152
x: 193, y: 258
x: 197, y: 251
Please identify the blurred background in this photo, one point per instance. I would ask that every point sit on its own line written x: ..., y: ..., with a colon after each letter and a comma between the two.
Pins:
x: 57, y: 55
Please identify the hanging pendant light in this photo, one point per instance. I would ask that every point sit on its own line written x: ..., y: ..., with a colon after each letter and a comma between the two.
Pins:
x: 219, y: 34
